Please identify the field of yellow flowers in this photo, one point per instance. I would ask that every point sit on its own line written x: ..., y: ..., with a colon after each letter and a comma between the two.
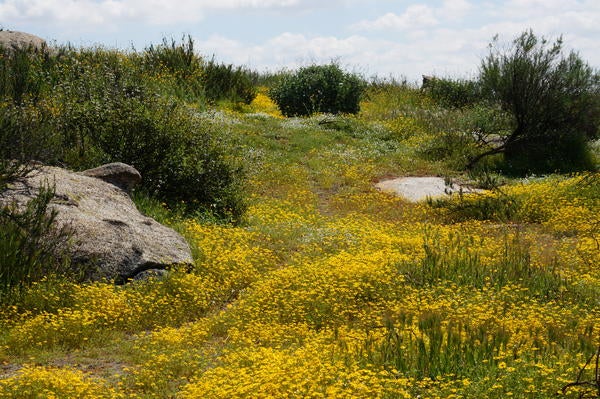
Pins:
x: 331, y: 289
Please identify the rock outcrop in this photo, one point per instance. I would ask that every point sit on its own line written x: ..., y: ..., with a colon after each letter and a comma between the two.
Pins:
x: 416, y: 189
x: 10, y: 39
x: 121, y: 175
x: 110, y: 237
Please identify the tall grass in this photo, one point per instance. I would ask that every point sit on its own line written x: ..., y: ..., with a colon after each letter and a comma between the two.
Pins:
x: 458, y: 263
x: 228, y: 82
x: 431, y: 347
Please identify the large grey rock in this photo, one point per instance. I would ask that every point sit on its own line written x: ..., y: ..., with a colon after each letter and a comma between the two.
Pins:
x: 416, y: 189
x: 110, y: 236
x: 117, y: 173
x: 10, y: 39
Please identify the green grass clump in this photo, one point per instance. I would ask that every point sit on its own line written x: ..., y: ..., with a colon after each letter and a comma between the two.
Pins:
x: 227, y: 82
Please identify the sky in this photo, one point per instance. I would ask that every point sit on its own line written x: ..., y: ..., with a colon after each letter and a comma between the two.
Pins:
x: 383, y: 38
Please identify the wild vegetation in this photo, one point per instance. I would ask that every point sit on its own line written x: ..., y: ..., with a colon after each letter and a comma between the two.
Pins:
x: 553, y: 100
x: 308, y: 282
x: 318, y: 88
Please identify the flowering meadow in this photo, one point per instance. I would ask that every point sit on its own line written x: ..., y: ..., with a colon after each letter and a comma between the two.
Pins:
x: 332, y: 289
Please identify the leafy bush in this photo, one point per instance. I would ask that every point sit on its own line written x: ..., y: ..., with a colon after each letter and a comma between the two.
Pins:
x: 26, y: 133
x: 226, y: 82
x: 454, y: 147
x: 194, y: 78
x: 179, y: 159
x: 318, y: 88
x: 453, y: 93
x: 178, y: 59
x: 553, y: 100
x: 459, y: 134
x: 109, y: 118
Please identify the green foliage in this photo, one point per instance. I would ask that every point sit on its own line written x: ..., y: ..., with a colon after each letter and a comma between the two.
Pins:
x: 179, y: 62
x: 179, y: 159
x: 462, y: 266
x: 454, y: 147
x: 20, y: 73
x: 30, y: 244
x: 501, y: 207
x: 553, y: 100
x: 439, y: 349
x: 177, y: 58
x: 453, y: 93
x: 269, y: 79
x: 487, y: 121
x: 486, y: 180
x: 226, y: 82
x: 196, y: 79
x: 95, y: 106
x: 26, y: 134
x: 318, y: 88
x: 458, y: 134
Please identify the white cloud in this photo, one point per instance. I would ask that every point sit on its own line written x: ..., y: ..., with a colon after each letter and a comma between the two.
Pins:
x: 454, y: 9
x: 418, y: 16
x: 415, y: 16
x: 431, y: 54
x: 95, y: 13
x: 446, y: 37
x: 286, y: 50
x: 446, y: 46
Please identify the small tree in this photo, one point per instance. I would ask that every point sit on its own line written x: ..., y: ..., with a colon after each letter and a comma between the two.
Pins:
x: 318, y: 88
x: 554, y: 102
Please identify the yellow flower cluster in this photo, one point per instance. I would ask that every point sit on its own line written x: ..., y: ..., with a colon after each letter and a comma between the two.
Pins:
x: 232, y: 258
x: 403, y: 127
x: 100, y: 310
x: 54, y: 383
x: 311, y: 371
x: 262, y: 103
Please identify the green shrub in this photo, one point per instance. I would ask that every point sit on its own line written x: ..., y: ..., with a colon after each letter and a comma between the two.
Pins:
x: 177, y: 58
x: 318, y: 88
x: 101, y: 112
x: 177, y: 62
x: 26, y: 133
x: 553, y: 100
x: 453, y: 93
x: 21, y: 73
x: 452, y: 147
x: 226, y: 82
x: 179, y: 159
x: 195, y: 79
x: 30, y: 245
